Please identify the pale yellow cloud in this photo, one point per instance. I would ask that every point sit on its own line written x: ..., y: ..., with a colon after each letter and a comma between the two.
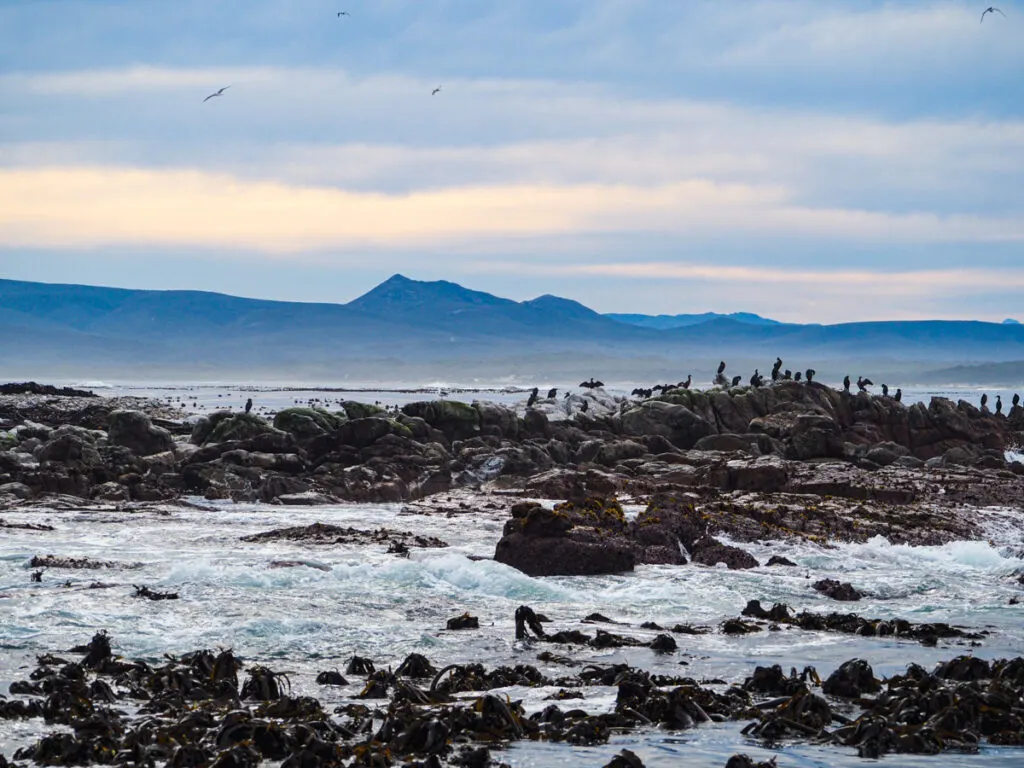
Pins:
x: 86, y: 207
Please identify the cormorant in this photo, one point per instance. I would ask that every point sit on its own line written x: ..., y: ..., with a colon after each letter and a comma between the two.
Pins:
x: 736, y: 380
x: 592, y: 384
x: 984, y: 401
x: 809, y: 375
x: 787, y: 375
x: 215, y: 95
x: 721, y: 368
x: 755, y: 380
x: 686, y: 384
x: 898, y: 397
x: 999, y: 405
x: 863, y: 384
x: 248, y: 405
x: 797, y: 376
x: 584, y: 406
x: 846, y: 384
x: 991, y: 9
x: 885, y: 390
x: 552, y: 393
x: 776, y: 368
x: 534, y: 394
x: 1016, y: 400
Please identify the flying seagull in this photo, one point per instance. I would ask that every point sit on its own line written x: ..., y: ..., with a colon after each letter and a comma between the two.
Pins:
x: 991, y: 9
x: 343, y: 13
x: 214, y: 95
x: 436, y: 91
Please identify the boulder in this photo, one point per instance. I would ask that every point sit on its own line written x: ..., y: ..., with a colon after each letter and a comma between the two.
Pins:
x: 577, y: 553
x: 356, y: 410
x: 456, y: 420
x: 837, y: 590
x: 710, y: 551
x: 135, y: 431
x: 852, y: 680
x: 307, y: 423
x: 72, y: 450
x: 681, y: 426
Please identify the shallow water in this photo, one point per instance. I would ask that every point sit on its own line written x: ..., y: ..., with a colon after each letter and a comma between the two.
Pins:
x: 305, y: 620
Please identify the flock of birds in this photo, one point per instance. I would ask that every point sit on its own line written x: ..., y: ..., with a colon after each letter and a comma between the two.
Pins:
x: 990, y: 10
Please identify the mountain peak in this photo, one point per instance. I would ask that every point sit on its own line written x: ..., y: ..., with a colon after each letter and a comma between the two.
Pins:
x: 403, y: 295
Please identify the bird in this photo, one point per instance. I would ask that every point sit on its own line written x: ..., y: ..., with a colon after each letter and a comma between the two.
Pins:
x: 797, y: 376
x: 863, y: 383
x: 584, y: 406
x: 756, y: 379
x: 991, y: 9
x: 999, y: 405
x: 846, y: 384
x: 552, y: 393
x: 736, y: 380
x: 436, y: 91
x: 984, y: 401
x: 248, y: 405
x: 343, y: 13
x: 1016, y: 400
x: 787, y: 375
x: 721, y: 368
x: 885, y: 390
x: 686, y: 384
x: 809, y: 374
x: 776, y: 368
x: 898, y: 397
x: 533, y: 397
x: 215, y: 95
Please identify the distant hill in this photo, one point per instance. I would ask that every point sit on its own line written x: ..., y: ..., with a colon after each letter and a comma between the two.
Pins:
x: 664, y: 322
x: 438, y: 329
x: 1009, y: 375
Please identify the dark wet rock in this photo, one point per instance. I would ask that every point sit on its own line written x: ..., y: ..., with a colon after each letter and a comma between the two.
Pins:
x: 780, y: 560
x: 76, y: 563
x: 321, y: 533
x: 745, y: 761
x: 465, y: 621
x: 681, y: 426
x: 664, y: 644
x: 457, y: 421
x: 738, y: 627
x: 852, y: 680
x: 150, y: 594
x: 135, y: 431
x: 32, y: 388
x: 307, y: 423
x: 625, y: 759
x: 333, y: 677
x: 778, y: 612
x: 837, y: 590
x: 18, y: 490
x: 710, y: 551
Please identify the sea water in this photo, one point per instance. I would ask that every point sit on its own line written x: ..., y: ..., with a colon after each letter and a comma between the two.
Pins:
x: 340, y: 600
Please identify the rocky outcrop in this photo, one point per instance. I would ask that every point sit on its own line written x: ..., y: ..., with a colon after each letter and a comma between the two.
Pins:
x: 134, y: 430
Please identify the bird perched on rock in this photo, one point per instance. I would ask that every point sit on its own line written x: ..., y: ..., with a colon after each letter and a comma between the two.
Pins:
x: 863, y: 383
x: 534, y: 395
x: 248, y: 405
x: 885, y: 390
x: 736, y: 380
x: 1016, y: 400
x: 584, y: 406
x: 999, y: 405
x: 898, y: 397
x: 846, y: 383
x: 686, y: 384
x: 776, y: 368
x: 984, y: 401
x: 721, y: 368
x: 552, y: 393
x: 787, y: 375
x: 756, y: 379
x: 809, y: 374
x: 797, y: 375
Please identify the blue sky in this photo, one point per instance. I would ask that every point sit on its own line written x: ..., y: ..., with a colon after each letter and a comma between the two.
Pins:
x: 809, y: 161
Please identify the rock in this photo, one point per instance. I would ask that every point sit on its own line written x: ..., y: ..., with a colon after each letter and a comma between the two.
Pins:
x: 577, y: 553
x: 766, y: 474
x: 852, y: 680
x: 307, y: 423
x: 135, y: 431
x: 361, y: 433
x: 18, y: 490
x: 465, y: 621
x: 727, y: 443
x: 356, y: 410
x: 304, y: 499
x: 456, y: 420
x: 780, y: 560
x: 837, y: 590
x: 677, y: 423
x: 710, y: 551
x: 70, y: 449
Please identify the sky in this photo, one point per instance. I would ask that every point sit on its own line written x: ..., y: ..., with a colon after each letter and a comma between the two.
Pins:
x: 808, y: 161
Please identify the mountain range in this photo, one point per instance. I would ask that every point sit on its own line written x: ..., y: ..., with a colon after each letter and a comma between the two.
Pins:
x: 406, y: 329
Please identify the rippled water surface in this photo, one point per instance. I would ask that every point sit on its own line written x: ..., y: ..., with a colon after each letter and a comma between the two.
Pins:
x: 342, y: 600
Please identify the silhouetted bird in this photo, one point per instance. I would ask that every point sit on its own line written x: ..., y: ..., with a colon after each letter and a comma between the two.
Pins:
x: 436, y: 91
x: 248, y: 405
x: 999, y: 405
x: 885, y: 390
x: 776, y: 368
x: 991, y: 9
x: 797, y: 376
x: 984, y: 401
x: 721, y: 368
x: 863, y: 384
x: 584, y: 406
x: 736, y: 380
x: 592, y: 384
x: 215, y: 95
x: 809, y: 375
x: 534, y: 394
x: 898, y: 397
x: 846, y: 384
x: 686, y: 384
x: 756, y: 379
x: 552, y: 393
x: 343, y: 13
x: 787, y: 375
x: 1016, y: 400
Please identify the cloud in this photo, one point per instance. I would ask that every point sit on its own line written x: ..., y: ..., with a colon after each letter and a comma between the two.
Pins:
x: 89, y: 207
